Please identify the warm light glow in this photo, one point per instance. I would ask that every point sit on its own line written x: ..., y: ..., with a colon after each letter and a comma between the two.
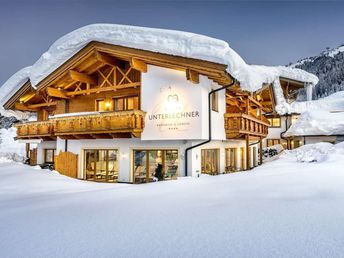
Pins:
x: 107, y: 104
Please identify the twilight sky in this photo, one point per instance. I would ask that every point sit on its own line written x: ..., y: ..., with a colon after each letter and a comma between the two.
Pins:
x: 262, y: 32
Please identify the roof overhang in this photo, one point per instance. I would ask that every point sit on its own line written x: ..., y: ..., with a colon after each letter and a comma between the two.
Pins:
x: 216, y: 72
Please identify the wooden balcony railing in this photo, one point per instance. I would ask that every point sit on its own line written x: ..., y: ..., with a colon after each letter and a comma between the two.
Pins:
x: 239, y: 124
x: 104, y: 125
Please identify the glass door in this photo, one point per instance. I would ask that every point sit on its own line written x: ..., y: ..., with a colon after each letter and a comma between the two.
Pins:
x: 140, y: 165
x: 210, y: 161
x: 151, y: 165
x: 171, y: 164
x: 231, y: 157
x: 101, y: 165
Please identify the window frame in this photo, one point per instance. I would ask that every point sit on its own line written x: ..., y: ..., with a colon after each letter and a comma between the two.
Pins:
x: 125, y: 102
x: 215, y: 102
x: 45, y: 155
x: 272, y: 124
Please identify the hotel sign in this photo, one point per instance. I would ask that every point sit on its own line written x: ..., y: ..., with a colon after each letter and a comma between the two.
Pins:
x: 174, y: 114
x: 172, y: 104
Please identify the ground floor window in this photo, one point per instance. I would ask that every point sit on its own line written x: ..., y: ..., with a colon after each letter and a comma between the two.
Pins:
x: 272, y: 142
x: 231, y: 160
x: 296, y: 143
x: 242, y: 159
x: 49, y: 155
x: 210, y: 161
x: 154, y: 164
x: 101, y: 165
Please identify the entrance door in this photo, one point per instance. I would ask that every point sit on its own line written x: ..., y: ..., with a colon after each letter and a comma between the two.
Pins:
x: 33, y: 157
x: 150, y: 165
x: 101, y: 165
x: 210, y: 161
x: 231, y: 158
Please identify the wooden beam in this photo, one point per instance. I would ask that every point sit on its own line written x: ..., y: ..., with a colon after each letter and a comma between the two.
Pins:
x: 103, y: 89
x: 52, y: 92
x: 27, y: 97
x: 106, y: 59
x: 82, y: 77
x: 22, y: 107
x: 138, y: 65
x: 192, y: 76
x: 46, y: 104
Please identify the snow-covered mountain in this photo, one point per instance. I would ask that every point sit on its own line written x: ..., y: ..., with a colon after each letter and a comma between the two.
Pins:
x: 329, y: 67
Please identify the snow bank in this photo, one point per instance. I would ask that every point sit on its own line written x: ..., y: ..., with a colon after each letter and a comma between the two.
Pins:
x: 318, y: 152
x: 251, y: 77
x: 334, y: 102
x: 317, y: 122
x: 9, y: 148
x: 280, y: 209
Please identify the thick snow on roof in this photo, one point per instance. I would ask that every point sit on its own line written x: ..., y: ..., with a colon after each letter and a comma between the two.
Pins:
x: 251, y: 77
x: 334, y: 102
x: 14, y: 83
x: 318, y: 122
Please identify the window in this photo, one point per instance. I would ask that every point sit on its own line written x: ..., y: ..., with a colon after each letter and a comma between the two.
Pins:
x: 150, y: 164
x: 296, y: 144
x: 231, y: 160
x: 210, y: 161
x: 101, y: 165
x: 215, y: 102
x: 272, y: 142
x: 49, y: 155
x: 126, y: 103
x: 275, y: 122
x: 103, y: 105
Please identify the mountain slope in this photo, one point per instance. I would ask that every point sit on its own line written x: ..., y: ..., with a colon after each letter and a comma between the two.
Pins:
x: 329, y: 67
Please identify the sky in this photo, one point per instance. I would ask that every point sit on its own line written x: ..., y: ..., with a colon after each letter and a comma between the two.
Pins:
x: 262, y: 32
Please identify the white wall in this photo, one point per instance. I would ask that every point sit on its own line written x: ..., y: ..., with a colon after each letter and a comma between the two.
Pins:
x: 159, y: 87
x: 125, y: 148
x: 40, y: 150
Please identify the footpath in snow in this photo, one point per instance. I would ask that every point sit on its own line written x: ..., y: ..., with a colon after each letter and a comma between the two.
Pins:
x: 291, y: 207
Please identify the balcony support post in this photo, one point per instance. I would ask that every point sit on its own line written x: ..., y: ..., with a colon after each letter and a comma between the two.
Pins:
x: 248, y: 163
x: 260, y: 150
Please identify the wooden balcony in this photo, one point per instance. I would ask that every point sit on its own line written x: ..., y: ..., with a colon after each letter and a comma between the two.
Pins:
x: 238, y: 125
x: 123, y: 124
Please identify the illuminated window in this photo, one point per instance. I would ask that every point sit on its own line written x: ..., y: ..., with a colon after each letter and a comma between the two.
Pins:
x: 151, y: 164
x: 103, y: 105
x: 127, y: 103
x: 101, y: 165
x: 275, y: 122
x: 272, y: 142
x: 215, y: 102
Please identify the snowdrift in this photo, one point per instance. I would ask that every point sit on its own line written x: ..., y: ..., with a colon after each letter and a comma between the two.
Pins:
x: 9, y: 148
x: 318, y: 152
x: 318, y: 122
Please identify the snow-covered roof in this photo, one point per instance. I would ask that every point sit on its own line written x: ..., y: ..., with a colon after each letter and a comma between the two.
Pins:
x: 334, y: 102
x: 318, y: 122
x: 185, y: 44
x: 14, y: 83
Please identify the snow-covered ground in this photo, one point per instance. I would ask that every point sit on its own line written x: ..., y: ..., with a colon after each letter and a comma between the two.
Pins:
x: 284, y: 208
